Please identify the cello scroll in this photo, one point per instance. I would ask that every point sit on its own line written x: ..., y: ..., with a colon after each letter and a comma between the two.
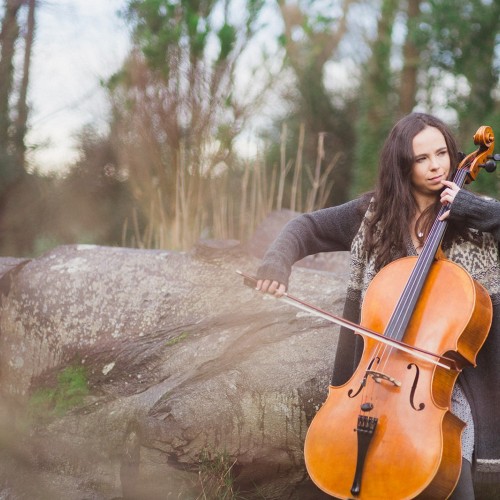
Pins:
x: 483, y: 157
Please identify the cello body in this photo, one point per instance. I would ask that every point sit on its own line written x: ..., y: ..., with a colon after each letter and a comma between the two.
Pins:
x: 388, y: 432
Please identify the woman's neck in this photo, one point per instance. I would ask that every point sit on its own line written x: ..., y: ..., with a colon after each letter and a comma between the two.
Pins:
x: 424, y: 202
x: 417, y: 226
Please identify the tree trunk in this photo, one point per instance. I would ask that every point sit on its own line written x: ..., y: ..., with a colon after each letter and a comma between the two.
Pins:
x: 8, y: 37
x: 411, y: 60
x: 377, y: 106
x: 22, y: 106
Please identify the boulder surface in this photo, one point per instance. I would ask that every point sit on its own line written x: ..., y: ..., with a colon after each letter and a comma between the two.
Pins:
x: 193, y: 382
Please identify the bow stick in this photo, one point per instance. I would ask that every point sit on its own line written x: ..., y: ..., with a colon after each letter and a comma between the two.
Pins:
x: 251, y: 281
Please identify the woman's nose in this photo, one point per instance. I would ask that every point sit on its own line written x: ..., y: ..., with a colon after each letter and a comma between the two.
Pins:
x: 434, y: 163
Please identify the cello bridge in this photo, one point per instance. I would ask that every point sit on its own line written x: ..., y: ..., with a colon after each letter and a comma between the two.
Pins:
x: 379, y: 377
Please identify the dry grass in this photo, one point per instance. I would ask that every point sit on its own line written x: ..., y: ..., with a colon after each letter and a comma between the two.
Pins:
x: 228, y: 204
x: 215, y: 476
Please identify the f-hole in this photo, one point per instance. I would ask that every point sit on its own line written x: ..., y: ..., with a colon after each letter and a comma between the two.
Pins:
x: 363, y: 382
x: 421, y: 406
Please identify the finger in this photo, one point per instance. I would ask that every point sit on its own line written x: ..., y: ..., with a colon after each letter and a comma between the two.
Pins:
x: 445, y: 215
x: 277, y: 289
x: 448, y: 197
x: 450, y: 184
x: 273, y: 287
x: 452, y: 189
x: 263, y: 285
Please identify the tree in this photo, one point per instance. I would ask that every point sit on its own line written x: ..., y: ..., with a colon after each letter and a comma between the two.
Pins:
x: 459, y: 46
x: 13, y: 122
x: 311, y: 39
x: 446, y: 62
x: 20, y: 122
x: 459, y: 43
x: 15, y: 187
x: 9, y: 170
x: 411, y: 61
x: 378, y: 103
x: 176, y: 113
x: 90, y: 204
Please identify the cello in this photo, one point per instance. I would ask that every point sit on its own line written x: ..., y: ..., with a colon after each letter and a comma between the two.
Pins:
x: 388, y: 432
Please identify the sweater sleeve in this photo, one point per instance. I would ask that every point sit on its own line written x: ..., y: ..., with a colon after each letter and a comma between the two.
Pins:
x: 327, y: 230
x: 478, y: 212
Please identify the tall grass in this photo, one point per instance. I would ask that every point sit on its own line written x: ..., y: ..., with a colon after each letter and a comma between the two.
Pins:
x: 229, y: 202
x: 215, y: 476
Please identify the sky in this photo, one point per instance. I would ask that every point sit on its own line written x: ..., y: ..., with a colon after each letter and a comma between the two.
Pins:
x: 78, y: 43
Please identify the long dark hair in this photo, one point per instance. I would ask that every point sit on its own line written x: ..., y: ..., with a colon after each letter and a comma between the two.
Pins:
x: 395, y: 206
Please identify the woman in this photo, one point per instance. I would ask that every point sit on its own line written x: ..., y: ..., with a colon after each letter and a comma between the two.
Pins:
x: 415, y: 168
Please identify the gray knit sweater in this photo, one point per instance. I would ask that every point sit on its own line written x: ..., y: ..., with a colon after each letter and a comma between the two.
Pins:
x: 333, y: 229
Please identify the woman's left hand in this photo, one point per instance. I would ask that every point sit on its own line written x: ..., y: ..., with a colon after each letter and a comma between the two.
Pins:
x: 448, y: 195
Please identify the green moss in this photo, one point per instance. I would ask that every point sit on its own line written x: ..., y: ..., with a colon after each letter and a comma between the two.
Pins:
x: 70, y: 391
x: 176, y: 340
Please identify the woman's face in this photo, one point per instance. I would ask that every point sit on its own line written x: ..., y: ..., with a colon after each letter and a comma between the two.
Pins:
x: 431, y: 164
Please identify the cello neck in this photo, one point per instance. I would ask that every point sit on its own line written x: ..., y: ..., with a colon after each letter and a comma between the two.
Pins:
x: 403, y: 312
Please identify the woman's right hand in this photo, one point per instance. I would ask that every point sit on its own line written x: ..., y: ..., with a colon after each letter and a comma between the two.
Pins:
x: 272, y: 287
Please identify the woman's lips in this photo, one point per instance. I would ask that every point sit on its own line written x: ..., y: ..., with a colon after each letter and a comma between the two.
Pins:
x: 435, y: 180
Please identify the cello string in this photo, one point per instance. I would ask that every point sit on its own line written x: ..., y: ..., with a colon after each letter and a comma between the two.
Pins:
x: 397, y: 319
x: 413, y: 286
x: 427, y: 253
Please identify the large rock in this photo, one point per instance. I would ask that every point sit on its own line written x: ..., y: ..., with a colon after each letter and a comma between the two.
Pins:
x: 193, y: 378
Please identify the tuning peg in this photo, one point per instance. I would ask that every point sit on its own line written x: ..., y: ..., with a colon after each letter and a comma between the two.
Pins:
x: 490, y: 165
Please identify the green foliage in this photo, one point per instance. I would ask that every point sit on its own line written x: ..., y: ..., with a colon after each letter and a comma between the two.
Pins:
x: 459, y: 46
x: 43, y: 243
x: 458, y: 42
x: 312, y: 39
x: 165, y: 27
x: 70, y: 391
x: 175, y: 111
x: 227, y: 38
x: 454, y: 33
